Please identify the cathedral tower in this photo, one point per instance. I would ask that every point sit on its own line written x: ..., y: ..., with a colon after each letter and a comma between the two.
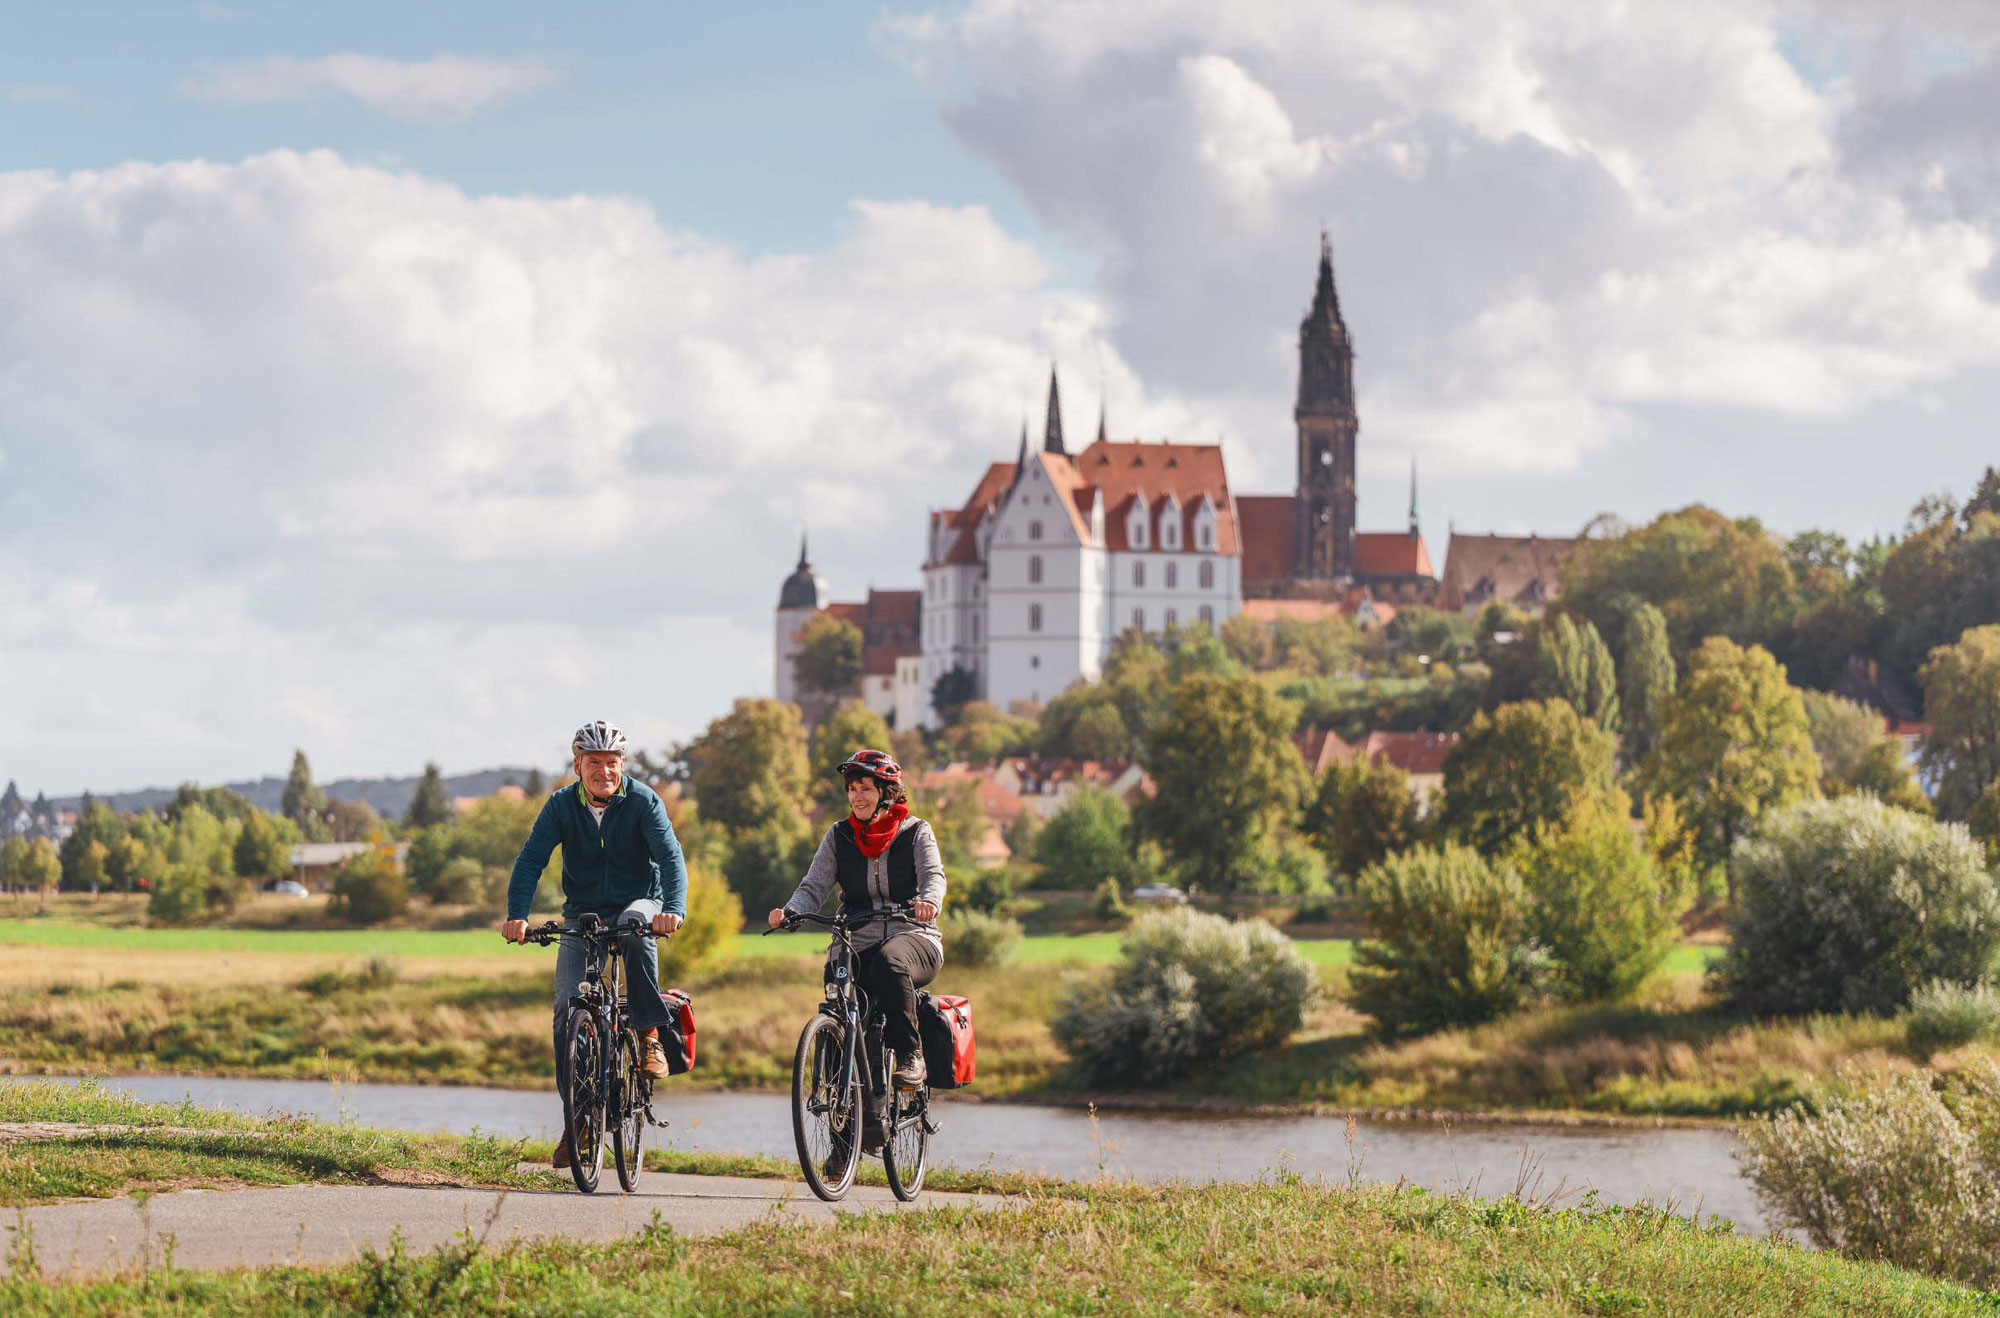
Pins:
x: 1323, y: 541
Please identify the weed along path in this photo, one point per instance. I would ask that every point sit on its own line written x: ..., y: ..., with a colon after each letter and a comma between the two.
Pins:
x: 316, y: 1224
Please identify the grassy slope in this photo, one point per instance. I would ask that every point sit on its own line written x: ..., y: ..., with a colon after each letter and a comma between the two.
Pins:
x: 168, y: 1145
x: 1274, y: 1248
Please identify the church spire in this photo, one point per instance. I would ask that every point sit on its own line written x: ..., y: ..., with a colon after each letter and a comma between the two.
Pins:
x: 1414, y: 531
x: 1100, y: 420
x: 1326, y: 299
x: 1021, y: 462
x: 1052, y: 436
x: 805, y: 564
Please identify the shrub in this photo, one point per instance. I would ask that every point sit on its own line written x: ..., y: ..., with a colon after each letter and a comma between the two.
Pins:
x: 1848, y: 905
x: 1107, y: 904
x: 1908, y: 1173
x: 461, y: 881
x: 987, y: 890
x: 1291, y: 867
x: 1451, y: 944
x: 1085, y: 842
x: 1192, y: 990
x: 1943, y: 1015
x: 707, y: 938
x: 1605, y: 909
x: 180, y: 897
x: 977, y: 939
x: 368, y: 890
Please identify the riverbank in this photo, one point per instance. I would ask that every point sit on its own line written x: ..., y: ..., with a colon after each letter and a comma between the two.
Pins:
x: 191, y: 1011
x: 1287, y: 1245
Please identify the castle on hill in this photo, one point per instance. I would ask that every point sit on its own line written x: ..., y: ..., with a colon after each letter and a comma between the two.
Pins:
x: 1027, y: 583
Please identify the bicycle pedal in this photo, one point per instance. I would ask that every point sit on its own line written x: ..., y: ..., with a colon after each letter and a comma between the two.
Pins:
x: 930, y: 1127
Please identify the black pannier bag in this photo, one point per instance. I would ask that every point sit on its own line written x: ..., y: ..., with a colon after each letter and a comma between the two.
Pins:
x: 677, y: 1035
x: 945, y: 1022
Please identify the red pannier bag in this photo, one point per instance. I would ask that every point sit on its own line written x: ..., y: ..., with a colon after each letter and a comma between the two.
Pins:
x: 677, y: 1035
x: 945, y: 1022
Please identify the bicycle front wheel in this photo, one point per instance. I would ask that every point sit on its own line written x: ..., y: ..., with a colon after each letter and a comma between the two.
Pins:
x: 906, y: 1150
x: 826, y: 1108
x: 628, y: 1112
x: 583, y: 1097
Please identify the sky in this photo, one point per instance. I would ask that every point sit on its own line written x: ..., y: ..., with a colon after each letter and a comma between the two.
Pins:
x: 414, y: 382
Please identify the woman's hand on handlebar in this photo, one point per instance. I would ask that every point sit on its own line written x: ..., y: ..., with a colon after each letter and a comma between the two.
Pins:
x: 777, y: 916
x: 925, y: 912
x: 514, y: 931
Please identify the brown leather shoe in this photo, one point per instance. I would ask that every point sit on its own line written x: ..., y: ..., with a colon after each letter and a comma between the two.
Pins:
x: 654, y: 1063
x: 562, y: 1153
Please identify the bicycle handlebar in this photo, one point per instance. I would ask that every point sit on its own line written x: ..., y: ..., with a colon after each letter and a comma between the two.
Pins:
x: 544, y: 934
x: 839, y: 920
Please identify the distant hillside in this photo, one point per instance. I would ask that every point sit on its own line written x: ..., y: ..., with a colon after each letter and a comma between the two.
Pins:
x: 389, y: 796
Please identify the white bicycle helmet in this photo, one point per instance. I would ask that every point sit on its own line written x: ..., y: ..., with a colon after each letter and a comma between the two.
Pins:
x: 597, y: 735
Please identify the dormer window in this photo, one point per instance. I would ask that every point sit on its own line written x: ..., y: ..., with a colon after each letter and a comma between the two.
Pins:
x: 1034, y: 530
x: 1170, y: 524
x: 1135, y: 532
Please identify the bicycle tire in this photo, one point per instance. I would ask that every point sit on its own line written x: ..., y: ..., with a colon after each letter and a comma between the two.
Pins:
x: 906, y: 1145
x: 583, y: 1101
x: 826, y: 1108
x: 628, y: 1126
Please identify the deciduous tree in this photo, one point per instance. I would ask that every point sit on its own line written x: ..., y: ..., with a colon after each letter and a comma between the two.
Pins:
x: 1228, y: 777
x: 1572, y: 663
x: 1962, y: 703
x: 1086, y: 842
x: 1362, y: 813
x: 1733, y: 743
x: 829, y: 656
x: 1645, y: 680
x: 1521, y: 767
x: 851, y: 727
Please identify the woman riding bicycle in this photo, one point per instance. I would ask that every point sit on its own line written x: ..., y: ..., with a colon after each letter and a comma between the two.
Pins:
x: 881, y: 855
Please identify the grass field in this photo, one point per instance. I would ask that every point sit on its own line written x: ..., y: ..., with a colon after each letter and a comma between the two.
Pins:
x: 431, y: 945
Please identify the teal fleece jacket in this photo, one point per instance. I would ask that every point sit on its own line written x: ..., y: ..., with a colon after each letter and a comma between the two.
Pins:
x: 605, y: 868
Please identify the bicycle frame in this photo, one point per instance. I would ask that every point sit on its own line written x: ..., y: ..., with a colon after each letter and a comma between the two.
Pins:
x: 860, y: 1016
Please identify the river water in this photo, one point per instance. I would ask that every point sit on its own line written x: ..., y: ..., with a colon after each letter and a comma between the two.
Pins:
x: 1692, y: 1170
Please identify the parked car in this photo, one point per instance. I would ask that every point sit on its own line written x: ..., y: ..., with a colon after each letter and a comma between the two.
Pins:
x: 1158, y: 892
x: 289, y: 888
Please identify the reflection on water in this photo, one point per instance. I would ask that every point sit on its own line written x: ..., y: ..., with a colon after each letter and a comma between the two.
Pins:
x: 1693, y: 1170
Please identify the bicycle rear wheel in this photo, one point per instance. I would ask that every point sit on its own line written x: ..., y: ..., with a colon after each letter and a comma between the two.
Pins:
x: 826, y: 1108
x: 907, y: 1144
x: 583, y: 1097
x: 628, y: 1113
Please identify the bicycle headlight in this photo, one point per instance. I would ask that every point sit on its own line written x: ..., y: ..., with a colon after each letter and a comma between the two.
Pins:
x: 832, y: 992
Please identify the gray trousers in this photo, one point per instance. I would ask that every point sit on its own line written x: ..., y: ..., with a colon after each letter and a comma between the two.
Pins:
x: 647, y: 1008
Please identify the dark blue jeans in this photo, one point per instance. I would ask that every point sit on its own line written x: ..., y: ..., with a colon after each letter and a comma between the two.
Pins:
x: 648, y: 1010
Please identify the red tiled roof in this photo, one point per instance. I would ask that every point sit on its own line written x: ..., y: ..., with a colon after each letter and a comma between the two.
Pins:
x: 1122, y: 470
x: 1267, y: 543
x: 1415, y: 753
x: 854, y: 613
x: 896, y: 608
x: 1263, y: 610
x: 880, y: 660
x: 1267, y: 535
x: 1390, y: 553
x: 967, y: 519
x: 1070, y: 488
x: 1322, y: 748
x: 1002, y: 806
x: 1478, y: 568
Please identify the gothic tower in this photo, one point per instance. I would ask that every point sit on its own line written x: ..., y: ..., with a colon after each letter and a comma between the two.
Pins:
x: 1323, y: 542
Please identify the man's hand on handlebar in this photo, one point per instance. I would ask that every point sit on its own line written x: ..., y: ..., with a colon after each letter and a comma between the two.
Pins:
x: 666, y: 922
x: 514, y: 931
x: 925, y: 912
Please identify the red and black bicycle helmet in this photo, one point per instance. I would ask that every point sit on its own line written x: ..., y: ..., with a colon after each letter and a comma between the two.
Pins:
x: 875, y: 764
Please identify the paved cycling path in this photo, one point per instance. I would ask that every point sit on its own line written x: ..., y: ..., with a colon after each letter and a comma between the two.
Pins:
x: 332, y: 1223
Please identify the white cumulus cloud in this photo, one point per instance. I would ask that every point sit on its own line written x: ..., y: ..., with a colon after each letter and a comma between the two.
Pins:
x: 443, y: 88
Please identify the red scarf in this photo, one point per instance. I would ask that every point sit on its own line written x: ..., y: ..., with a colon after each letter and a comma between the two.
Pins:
x: 875, y: 836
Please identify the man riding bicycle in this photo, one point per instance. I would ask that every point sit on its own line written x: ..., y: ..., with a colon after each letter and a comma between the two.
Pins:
x: 621, y: 862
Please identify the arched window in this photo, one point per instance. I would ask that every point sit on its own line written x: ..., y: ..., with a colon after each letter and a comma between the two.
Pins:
x: 1172, y: 617
x: 1034, y: 530
x: 1034, y: 617
x: 1139, y: 619
x: 1201, y: 537
x: 1206, y: 574
x: 1139, y: 573
x: 1208, y: 615
x: 1034, y: 569
x: 1173, y: 575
